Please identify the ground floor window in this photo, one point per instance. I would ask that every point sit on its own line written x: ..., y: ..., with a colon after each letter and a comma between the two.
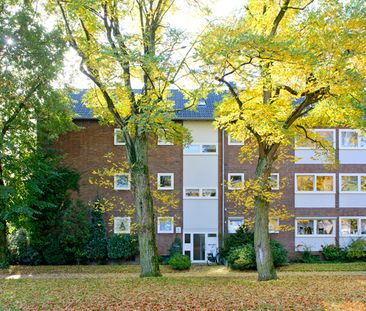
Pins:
x: 122, y: 224
x: 165, y: 225
x: 234, y: 223
x: 353, y: 226
x: 315, y: 227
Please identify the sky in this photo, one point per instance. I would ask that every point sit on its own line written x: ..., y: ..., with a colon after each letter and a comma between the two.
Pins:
x: 183, y: 19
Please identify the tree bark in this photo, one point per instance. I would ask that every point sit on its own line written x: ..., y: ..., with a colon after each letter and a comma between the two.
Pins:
x: 4, y: 263
x: 149, y: 260
x: 264, y: 258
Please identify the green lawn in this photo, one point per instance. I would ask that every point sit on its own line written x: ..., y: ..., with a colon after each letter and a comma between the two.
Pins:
x: 202, y: 288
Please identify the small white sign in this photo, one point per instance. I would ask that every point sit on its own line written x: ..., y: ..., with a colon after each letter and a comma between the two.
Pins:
x: 178, y: 229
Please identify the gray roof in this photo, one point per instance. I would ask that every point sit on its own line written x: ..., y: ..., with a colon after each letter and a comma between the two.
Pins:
x: 202, y: 112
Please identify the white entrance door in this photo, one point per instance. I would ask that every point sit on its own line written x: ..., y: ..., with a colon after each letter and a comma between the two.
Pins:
x: 197, y: 245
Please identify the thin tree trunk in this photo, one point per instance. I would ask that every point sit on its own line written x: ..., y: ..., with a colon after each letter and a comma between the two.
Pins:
x: 4, y: 263
x: 264, y: 258
x: 149, y: 260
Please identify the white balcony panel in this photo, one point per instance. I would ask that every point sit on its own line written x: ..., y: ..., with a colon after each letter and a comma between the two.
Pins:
x: 313, y: 200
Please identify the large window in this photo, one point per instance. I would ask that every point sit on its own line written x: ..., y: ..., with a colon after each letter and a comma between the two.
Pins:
x: 315, y: 227
x: 322, y: 135
x: 122, y: 224
x: 201, y: 149
x: 165, y: 225
x: 353, y: 226
x: 235, y: 181
x: 118, y: 137
x: 350, y: 183
x: 122, y: 182
x: 200, y: 193
x: 165, y: 181
x: 233, y: 141
x: 305, y: 183
x: 351, y: 139
x: 234, y: 223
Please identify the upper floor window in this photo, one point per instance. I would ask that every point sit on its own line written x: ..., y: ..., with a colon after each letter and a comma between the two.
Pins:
x: 273, y: 225
x: 326, y: 135
x: 122, y: 224
x: 353, y: 226
x: 315, y: 227
x: 165, y: 181
x: 165, y: 225
x: 352, y: 182
x: 274, y: 181
x: 200, y: 193
x: 233, y: 141
x: 162, y: 140
x: 118, y: 137
x: 122, y: 182
x: 201, y: 149
x: 235, y: 181
x: 351, y: 139
x: 314, y: 183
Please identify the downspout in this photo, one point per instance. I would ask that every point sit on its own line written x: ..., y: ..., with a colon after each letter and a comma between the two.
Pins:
x: 223, y: 185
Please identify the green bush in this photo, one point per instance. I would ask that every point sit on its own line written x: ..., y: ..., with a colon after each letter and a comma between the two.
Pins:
x: 242, y: 258
x: 279, y: 253
x: 53, y: 253
x: 179, y: 262
x: 333, y: 253
x: 308, y: 257
x: 176, y: 247
x: 356, y: 250
x: 96, y: 247
x: 238, y: 239
x: 122, y: 246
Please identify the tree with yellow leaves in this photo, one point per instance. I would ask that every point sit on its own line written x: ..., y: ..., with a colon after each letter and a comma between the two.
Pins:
x: 120, y: 41
x: 288, y: 66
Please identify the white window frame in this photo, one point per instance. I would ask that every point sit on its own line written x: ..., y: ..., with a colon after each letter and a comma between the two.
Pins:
x: 358, y: 140
x: 333, y: 235
x: 278, y: 181
x: 172, y: 179
x: 359, y: 218
x: 315, y: 131
x: 128, y: 226
x: 116, y: 143
x: 228, y: 223
x: 201, y: 148
x: 314, y: 187
x: 231, y: 143
x: 162, y: 141
x: 229, y: 180
x: 165, y: 218
x: 277, y: 225
x: 129, y: 181
x: 359, y: 183
x: 200, y: 197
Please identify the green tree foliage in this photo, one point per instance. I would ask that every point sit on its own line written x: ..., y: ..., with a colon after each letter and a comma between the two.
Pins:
x: 31, y: 108
x: 122, y: 246
x: 179, y: 262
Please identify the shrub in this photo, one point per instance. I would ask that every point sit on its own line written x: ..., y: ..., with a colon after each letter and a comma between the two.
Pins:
x: 122, y: 246
x: 242, y: 258
x: 308, y: 257
x: 176, y: 247
x: 179, y: 262
x: 96, y: 248
x: 333, y: 253
x: 53, y: 253
x: 356, y: 250
x: 279, y: 253
x: 241, y: 237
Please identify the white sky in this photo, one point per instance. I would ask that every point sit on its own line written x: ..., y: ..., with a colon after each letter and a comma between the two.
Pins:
x: 183, y: 19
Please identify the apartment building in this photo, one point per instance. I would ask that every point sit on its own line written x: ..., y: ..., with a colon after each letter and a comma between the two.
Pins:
x: 328, y: 204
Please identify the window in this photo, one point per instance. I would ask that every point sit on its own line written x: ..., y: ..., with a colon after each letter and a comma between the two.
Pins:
x: 200, y: 193
x: 122, y: 182
x: 201, y: 149
x: 187, y: 238
x: 122, y: 224
x: 353, y: 226
x: 273, y: 225
x: 274, y: 181
x: 352, y: 139
x: 315, y: 227
x: 118, y: 137
x: 234, y: 223
x: 306, y: 183
x: 165, y: 181
x: 233, y: 141
x: 165, y: 225
x: 352, y: 183
x: 162, y: 140
x: 235, y: 181
x: 323, y: 135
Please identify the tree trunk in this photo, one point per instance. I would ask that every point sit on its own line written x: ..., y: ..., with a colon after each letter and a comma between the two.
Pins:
x: 264, y: 258
x: 149, y: 260
x: 4, y: 263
